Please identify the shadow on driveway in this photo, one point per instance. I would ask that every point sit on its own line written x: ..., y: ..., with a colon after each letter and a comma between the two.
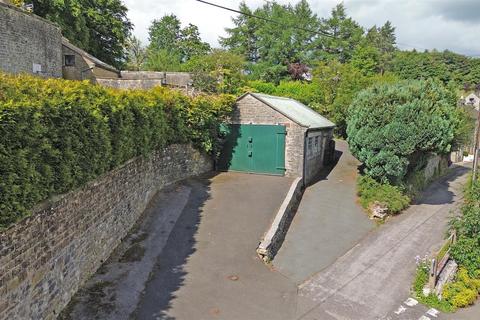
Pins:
x: 329, y: 221
x: 193, y: 256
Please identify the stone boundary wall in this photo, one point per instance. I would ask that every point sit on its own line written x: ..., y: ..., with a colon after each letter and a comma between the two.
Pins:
x: 143, y: 84
x: 45, y: 258
x: 273, y: 239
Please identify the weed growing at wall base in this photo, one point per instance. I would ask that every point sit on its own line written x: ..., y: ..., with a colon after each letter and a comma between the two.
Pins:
x: 56, y: 135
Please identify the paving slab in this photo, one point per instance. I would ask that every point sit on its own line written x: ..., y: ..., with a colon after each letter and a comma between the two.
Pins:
x: 328, y: 223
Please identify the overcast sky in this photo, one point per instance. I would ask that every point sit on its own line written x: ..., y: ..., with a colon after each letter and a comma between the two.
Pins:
x: 423, y: 24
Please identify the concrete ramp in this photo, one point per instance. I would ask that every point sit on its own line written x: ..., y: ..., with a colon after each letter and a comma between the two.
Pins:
x: 328, y: 223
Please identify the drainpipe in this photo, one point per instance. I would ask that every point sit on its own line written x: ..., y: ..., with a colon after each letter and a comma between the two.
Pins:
x: 305, y: 142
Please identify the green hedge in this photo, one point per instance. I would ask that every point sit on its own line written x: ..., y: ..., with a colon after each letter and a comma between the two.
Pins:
x: 55, y: 135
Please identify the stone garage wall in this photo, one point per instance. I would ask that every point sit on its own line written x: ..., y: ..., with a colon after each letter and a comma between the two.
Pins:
x: 27, y: 40
x: 45, y: 258
x: 249, y: 110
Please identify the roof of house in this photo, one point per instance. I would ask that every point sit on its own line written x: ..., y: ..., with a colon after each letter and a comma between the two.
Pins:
x: 97, y: 62
x: 294, y: 110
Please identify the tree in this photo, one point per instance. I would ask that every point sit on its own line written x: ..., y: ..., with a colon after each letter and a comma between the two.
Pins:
x: 272, y: 44
x: 366, y: 59
x: 191, y: 44
x: 298, y: 70
x: 164, y: 34
x: 218, y: 72
x: 391, y: 126
x: 162, y: 60
x: 100, y: 27
x: 383, y: 39
x: 169, y: 42
x: 342, y: 35
x: 242, y: 38
x: 136, y: 54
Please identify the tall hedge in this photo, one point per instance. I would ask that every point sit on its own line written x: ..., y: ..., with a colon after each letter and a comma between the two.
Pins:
x: 56, y: 135
x: 392, y: 126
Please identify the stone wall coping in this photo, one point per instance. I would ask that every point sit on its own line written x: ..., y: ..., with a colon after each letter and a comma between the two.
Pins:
x: 279, y: 227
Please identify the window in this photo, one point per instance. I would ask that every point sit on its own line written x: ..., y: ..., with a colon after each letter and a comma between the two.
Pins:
x: 69, y: 60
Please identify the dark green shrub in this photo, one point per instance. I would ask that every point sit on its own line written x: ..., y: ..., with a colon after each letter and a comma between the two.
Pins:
x: 389, y: 126
x: 466, y: 251
x: 56, y: 135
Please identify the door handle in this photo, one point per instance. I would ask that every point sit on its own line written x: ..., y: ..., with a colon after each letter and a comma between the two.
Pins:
x: 250, y: 153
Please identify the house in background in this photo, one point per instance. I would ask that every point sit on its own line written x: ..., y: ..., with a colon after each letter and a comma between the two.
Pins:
x: 278, y: 136
x: 80, y: 65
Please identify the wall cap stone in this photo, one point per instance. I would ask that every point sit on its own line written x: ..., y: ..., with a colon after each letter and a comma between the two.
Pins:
x: 275, y: 235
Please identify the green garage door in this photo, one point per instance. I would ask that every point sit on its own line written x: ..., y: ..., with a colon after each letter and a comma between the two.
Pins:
x: 253, y: 148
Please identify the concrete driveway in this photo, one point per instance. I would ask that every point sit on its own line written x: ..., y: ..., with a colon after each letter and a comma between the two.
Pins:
x: 193, y: 257
x: 329, y: 221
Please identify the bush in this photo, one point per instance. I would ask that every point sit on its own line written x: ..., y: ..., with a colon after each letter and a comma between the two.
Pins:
x: 304, y: 92
x: 462, y: 292
x: 370, y: 191
x: 421, y: 280
x: 389, y: 126
x: 56, y: 135
x: 466, y: 251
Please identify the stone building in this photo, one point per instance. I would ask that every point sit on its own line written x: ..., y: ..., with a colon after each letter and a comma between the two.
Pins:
x: 80, y: 65
x: 276, y: 135
x: 28, y: 43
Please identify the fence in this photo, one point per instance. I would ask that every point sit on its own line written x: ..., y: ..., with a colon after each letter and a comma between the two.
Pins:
x: 440, y: 260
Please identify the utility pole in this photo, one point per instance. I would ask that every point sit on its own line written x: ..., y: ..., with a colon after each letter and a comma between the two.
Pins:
x: 475, y: 148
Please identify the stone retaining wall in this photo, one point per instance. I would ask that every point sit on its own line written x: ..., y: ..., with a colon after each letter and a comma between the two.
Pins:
x: 45, y: 258
x: 275, y: 235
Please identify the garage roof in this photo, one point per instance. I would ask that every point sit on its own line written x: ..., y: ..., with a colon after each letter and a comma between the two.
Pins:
x: 295, y: 110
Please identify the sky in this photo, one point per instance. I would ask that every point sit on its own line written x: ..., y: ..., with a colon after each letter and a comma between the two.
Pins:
x: 420, y: 24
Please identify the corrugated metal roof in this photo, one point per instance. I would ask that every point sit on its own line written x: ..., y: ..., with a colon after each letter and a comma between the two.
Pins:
x: 295, y: 110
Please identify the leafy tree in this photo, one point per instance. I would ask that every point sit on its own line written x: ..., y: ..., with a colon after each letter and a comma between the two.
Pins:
x: 390, y: 126
x: 384, y: 40
x: 366, y: 59
x: 165, y: 34
x: 445, y: 66
x: 271, y: 45
x: 343, y: 35
x: 220, y: 71
x: 191, y: 44
x: 169, y: 43
x: 100, y: 27
x: 242, y: 39
x: 163, y: 60
x: 339, y: 84
x: 136, y: 54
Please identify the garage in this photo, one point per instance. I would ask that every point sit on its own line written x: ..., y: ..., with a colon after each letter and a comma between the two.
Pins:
x: 254, y: 148
x: 275, y: 135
